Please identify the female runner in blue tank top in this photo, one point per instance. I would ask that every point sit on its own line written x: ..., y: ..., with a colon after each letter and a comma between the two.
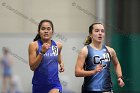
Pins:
x: 93, y: 63
x: 6, y: 62
x: 44, y: 57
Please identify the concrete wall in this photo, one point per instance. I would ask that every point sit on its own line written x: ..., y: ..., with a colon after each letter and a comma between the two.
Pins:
x: 18, y: 27
x: 68, y: 16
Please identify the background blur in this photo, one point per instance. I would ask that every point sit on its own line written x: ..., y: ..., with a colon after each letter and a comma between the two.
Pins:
x: 18, y: 27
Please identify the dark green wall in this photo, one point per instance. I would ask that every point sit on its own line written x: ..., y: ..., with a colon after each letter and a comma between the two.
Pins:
x: 127, y: 49
x: 123, y: 33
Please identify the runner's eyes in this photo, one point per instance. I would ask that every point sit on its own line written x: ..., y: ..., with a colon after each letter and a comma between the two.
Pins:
x: 103, y: 31
x: 48, y: 28
x: 44, y: 28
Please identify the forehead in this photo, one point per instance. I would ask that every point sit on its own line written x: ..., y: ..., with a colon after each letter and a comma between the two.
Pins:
x: 98, y: 26
x: 46, y: 24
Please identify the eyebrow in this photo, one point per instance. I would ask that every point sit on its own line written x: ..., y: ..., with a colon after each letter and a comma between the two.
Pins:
x: 45, y: 27
x: 98, y: 28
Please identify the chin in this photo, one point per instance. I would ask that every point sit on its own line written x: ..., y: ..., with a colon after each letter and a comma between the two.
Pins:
x: 99, y: 41
x: 47, y: 38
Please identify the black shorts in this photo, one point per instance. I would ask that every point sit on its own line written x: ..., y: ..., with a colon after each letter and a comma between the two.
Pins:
x: 95, y: 92
x: 86, y: 91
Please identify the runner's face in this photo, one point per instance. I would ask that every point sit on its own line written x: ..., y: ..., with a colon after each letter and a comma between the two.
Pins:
x: 46, y: 31
x: 98, y: 33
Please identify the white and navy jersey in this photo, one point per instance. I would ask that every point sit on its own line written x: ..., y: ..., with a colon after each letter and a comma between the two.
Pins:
x: 101, y: 81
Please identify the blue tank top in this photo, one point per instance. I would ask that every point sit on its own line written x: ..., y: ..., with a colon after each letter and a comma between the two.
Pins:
x: 6, y: 66
x: 47, y: 71
x: 101, y: 81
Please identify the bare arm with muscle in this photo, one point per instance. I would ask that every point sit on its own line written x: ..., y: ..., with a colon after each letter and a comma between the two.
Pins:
x: 61, y: 64
x: 117, y: 66
x: 34, y: 59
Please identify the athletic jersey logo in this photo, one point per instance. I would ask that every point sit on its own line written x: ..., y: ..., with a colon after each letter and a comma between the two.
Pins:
x: 55, y: 50
x: 98, y: 60
x: 53, y: 53
x: 106, y: 57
